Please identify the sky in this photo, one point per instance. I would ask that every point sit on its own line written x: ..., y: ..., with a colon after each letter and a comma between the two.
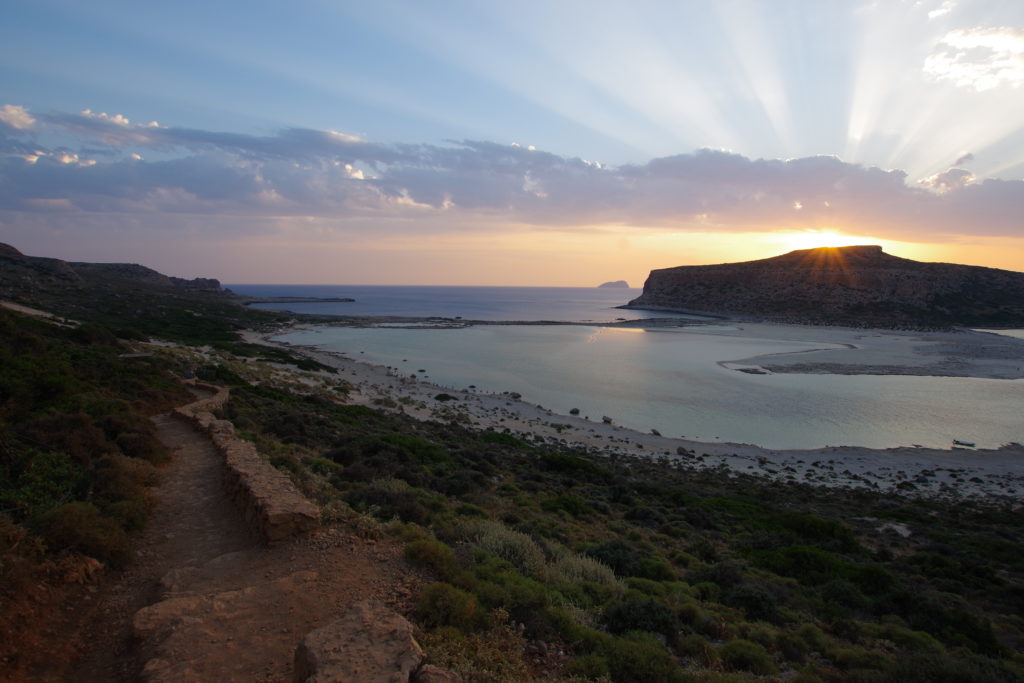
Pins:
x: 541, y: 142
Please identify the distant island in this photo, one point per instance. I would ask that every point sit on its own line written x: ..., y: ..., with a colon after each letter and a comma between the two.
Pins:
x: 616, y: 284
x: 860, y: 286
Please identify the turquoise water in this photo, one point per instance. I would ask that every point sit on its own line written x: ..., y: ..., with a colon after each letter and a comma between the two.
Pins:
x: 671, y: 380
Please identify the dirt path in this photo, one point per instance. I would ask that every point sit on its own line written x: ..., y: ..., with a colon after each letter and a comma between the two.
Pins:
x: 227, y: 607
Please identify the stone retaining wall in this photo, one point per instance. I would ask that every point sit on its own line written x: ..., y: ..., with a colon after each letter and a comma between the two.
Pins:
x: 266, y: 497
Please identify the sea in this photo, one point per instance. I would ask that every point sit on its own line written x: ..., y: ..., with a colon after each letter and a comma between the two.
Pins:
x: 669, y: 379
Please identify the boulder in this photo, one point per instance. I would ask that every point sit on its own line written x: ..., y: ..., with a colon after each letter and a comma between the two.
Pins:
x: 369, y: 644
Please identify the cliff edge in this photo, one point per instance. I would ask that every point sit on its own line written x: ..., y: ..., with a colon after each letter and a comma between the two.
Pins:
x: 857, y: 286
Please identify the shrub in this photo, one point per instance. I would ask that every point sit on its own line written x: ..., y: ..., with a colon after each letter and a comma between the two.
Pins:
x: 942, y: 668
x: 393, y: 498
x: 499, y: 584
x: 122, y: 478
x: 754, y: 601
x: 744, y: 655
x: 590, y: 667
x: 80, y: 526
x: 504, y: 440
x: 760, y: 633
x: 918, y: 641
x: 571, y: 505
x: 495, y: 654
x: 512, y: 546
x: 48, y: 479
x: 636, y: 612
x: 698, y: 648
x: 568, y: 567
x: 130, y: 514
x: 442, y: 604
x: 640, y: 658
x: 626, y: 560
x: 434, y: 555
x: 858, y: 658
x: 323, y: 466
x: 470, y: 510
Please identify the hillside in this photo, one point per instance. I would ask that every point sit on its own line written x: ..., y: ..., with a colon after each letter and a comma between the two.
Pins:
x: 131, y: 300
x: 859, y: 286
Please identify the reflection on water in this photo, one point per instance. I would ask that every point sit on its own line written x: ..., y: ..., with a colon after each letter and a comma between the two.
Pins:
x: 671, y: 380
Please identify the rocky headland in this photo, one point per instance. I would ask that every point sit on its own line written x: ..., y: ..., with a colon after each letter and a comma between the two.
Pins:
x: 19, y: 270
x: 859, y: 286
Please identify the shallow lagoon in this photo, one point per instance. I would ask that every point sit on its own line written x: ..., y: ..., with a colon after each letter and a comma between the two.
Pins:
x: 671, y: 380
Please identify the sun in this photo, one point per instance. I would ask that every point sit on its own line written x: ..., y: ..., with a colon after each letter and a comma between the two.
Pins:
x: 812, y: 239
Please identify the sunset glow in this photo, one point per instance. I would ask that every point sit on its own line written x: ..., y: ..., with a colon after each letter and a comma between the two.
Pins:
x: 490, y: 143
x: 812, y: 239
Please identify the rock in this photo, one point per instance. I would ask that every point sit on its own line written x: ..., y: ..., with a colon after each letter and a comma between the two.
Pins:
x: 369, y: 644
x: 616, y: 284
x: 858, y: 285
x: 202, y: 625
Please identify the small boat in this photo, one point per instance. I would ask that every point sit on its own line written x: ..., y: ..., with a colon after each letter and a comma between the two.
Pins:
x: 968, y: 444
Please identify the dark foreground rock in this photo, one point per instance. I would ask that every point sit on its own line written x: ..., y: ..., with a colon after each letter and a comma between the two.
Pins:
x: 370, y: 644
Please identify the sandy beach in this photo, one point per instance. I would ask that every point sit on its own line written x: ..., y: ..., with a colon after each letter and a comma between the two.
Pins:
x: 979, y: 474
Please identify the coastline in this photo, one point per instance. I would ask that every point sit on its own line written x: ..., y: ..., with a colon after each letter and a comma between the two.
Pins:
x: 979, y: 474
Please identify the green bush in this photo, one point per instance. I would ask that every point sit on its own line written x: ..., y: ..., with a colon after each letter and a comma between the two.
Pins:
x: 637, y: 612
x: 858, y: 658
x: 46, y: 480
x: 743, y: 655
x: 943, y: 668
x: 80, y: 526
x: 699, y: 649
x: 625, y: 559
x: 442, y: 604
x: 434, y: 555
x: 512, y: 546
x: 571, y: 505
x: 132, y: 515
x: 640, y: 658
x: 591, y: 667
x: 754, y: 601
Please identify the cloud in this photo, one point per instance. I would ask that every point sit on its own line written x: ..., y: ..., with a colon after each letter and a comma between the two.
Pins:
x: 953, y: 179
x: 941, y: 11
x: 963, y: 159
x: 979, y: 58
x: 129, y: 169
x: 16, y: 118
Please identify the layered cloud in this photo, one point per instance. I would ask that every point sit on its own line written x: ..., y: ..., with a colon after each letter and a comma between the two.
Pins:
x: 979, y: 58
x: 120, y: 167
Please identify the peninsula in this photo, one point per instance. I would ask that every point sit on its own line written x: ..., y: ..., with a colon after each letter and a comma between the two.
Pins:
x: 858, y: 286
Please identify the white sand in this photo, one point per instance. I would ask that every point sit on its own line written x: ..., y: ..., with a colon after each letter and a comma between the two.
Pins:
x: 992, y: 474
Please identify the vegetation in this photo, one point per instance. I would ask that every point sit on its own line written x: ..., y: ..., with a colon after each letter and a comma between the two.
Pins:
x: 77, y: 450
x: 542, y: 558
x: 642, y: 571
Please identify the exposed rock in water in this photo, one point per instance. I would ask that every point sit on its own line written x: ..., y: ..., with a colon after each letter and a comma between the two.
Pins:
x: 615, y: 284
x: 858, y: 286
